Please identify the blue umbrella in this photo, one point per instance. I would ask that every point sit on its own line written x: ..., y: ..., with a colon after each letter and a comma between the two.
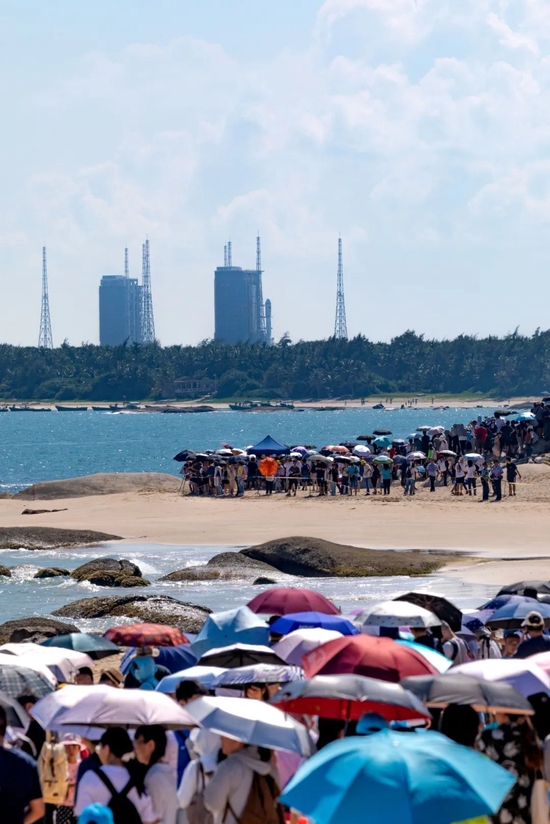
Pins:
x: 382, y: 442
x: 406, y: 777
x: 502, y: 600
x: 233, y: 626
x: 512, y: 616
x: 204, y: 675
x: 526, y: 416
x: 440, y: 662
x: 302, y: 620
x: 176, y: 658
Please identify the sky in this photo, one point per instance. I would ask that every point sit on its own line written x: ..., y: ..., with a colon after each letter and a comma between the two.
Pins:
x: 418, y: 130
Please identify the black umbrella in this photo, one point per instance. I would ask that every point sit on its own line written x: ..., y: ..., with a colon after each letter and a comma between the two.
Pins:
x: 348, y: 697
x: 239, y: 655
x: 15, y: 714
x: 444, y: 610
x: 456, y: 688
x: 382, y: 432
x: 541, y: 587
x: 368, y: 438
x: 349, y: 444
x: 96, y: 646
x: 185, y: 455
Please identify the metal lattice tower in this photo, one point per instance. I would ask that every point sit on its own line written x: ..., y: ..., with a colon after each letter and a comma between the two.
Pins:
x: 126, y: 266
x: 147, y: 317
x: 340, y: 325
x: 45, y: 339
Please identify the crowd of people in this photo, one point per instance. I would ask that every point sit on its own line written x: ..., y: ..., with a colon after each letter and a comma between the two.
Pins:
x: 481, y: 454
x: 208, y: 773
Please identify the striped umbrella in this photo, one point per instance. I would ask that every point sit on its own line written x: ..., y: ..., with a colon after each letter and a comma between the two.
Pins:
x: 145, y: 635
x: 15, y: 680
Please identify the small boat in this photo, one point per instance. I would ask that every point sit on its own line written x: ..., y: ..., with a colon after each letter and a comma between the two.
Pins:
x: 30, y: 409
x: 379, y: 406
x: 100, y: 409
x: 71, y: 408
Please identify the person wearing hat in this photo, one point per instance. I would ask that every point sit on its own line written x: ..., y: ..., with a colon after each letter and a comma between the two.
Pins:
x: 143, y: 672
x: 112, y: 678
x: 537, y: 641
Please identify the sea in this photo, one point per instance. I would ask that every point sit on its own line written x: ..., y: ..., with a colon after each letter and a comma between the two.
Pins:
x: 53, y: 445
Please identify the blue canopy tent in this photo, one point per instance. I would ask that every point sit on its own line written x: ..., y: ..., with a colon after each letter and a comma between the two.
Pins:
x: 268, y: 447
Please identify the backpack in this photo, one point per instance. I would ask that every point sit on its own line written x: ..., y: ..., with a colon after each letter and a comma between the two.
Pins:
x: 261, y: 805
x: 123, y: 810
x: 196, y: 811
x: 53, y: 770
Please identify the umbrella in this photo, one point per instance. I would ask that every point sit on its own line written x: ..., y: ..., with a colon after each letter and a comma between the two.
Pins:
x: 124, y: 708
x: 400, y: 459
x: 93, y: 645
x: 240, y: 655
x: 541, y: 587
x: 366, y: 655
x: 175, y: 658
x: 436, y: 659
x: 185, y: 455
x: 239, y: 677
x: 15, y: 714
x: 320, y: 458
x: 337, y: 448
x: 295, y: 455
x: 282, y: 600
x: 301, y: 450
x: 501, y: 600
x: 454, y: 688
x: 17, y: 679
x: 62, y: 663
x: 512, y: 616
x: 52, y: 706
x: 360, y: 451
x: 397, y: 614
x: 542, y: 660
x: 391, y: 777
x: 145, y: 635
x: 382, y: 459
x: 253, y: 722
x: 268, y: 466
x: 526, y: 416
x: 32, y: 662
x: 204, y: 675
x: 348, y: 697
x: 436, y: 430
x: 447, y: 453
x: 444, y: 609
x: 473, y: 456
x: 383, y: 442
x: 416, y: 456
x: 367, y: 438
x: 425, y: 428
x: 303, y: 620
x: 382, y: 432
x: 231, y: 626
x: 294, y: 645
x: 522, y: 674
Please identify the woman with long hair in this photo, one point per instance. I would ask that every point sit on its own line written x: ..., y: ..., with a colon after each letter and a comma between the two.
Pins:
x: 159, y: 778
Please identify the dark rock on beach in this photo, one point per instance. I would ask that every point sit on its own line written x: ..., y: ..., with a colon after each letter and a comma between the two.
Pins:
x: 225, y: 566
x: 102, y: 483
x: 52, y: 572
x: 34, y: 628
x: 4, y: 570
x: 108, y: 572
x: 262, y: 581
x: 156, y: 609
x: 49, y: 537
x: 315, y: 557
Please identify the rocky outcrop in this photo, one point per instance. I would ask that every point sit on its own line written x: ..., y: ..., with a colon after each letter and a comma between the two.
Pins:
x: 263, y: 581
x: 34, y: 628
x: 108, y: 572
x: 6, y: 571
x: 103, y: 483
x: 315, y: 557
x: 46, y: 537
x: 155, y: 609
x: 225, y: 566
x: 52, y: 572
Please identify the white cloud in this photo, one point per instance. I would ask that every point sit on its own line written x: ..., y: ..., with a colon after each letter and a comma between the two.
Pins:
x: 510, y: 38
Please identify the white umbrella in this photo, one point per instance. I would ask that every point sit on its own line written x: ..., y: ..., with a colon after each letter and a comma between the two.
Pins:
x: 30, y: 662
x: 204, y: 675
x: 253, y: 722
x: 258, y: 674
x: 124, y: 708
x: 397, y: 614
x: 416, y: 456
x: 360, y: 451
x: 51, y: 708
x: 527, y: 677
x: 436, y: 430
x: 473, y: 456
x: 294, y: 645
x: 64, y: 663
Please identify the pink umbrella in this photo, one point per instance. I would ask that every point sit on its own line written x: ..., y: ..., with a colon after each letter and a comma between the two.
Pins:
x: 283, y: 600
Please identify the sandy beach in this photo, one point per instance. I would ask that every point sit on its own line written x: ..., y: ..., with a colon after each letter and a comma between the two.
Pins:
x: 508, y: 540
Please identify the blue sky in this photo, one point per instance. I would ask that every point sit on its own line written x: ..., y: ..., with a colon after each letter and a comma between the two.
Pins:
x: 417, y: 129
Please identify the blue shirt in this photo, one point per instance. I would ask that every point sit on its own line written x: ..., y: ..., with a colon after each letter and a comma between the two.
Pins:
x: 19, y: 785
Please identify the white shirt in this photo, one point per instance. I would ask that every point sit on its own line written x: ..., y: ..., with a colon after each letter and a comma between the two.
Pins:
x: 470, y: 472
x: 459, y: 470
x: 92, y: 790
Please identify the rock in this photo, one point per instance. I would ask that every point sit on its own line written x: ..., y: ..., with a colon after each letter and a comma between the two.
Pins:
x: 108, y: 572
x: 4, y: 570
x: 49, y: 537
x: 225, y: 566
x: 52, y: 572
x: 156, y: 609
x: 34, y: 628
x: 262, y: 580
x: 103, y: 483
x: 315, y: 557
x: 28, y: 511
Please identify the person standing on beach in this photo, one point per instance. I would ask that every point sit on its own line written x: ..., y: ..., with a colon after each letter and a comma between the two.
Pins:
x: 496, y: 479
x: 512, y: 472
x: 367, y: 477
x: 386, y: 477
x: 432, y: 472
x: 484, y: 472
x: 20, y: 791
x: 460, y: 472
x: 471, y: 471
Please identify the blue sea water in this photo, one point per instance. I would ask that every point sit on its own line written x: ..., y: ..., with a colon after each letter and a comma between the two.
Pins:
x: 51, y: 445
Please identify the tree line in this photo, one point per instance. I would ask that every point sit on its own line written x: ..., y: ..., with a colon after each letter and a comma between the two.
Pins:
x: 410, y: 363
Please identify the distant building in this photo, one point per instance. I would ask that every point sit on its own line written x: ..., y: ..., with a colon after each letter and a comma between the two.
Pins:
x: 119, y: 310
x: 239, y: 311
x: 194, y: 387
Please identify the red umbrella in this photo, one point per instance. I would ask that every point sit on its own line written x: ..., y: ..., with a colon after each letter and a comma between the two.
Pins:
x: 366, y: 655
x: 146, y: 635
x: 285, y: 600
